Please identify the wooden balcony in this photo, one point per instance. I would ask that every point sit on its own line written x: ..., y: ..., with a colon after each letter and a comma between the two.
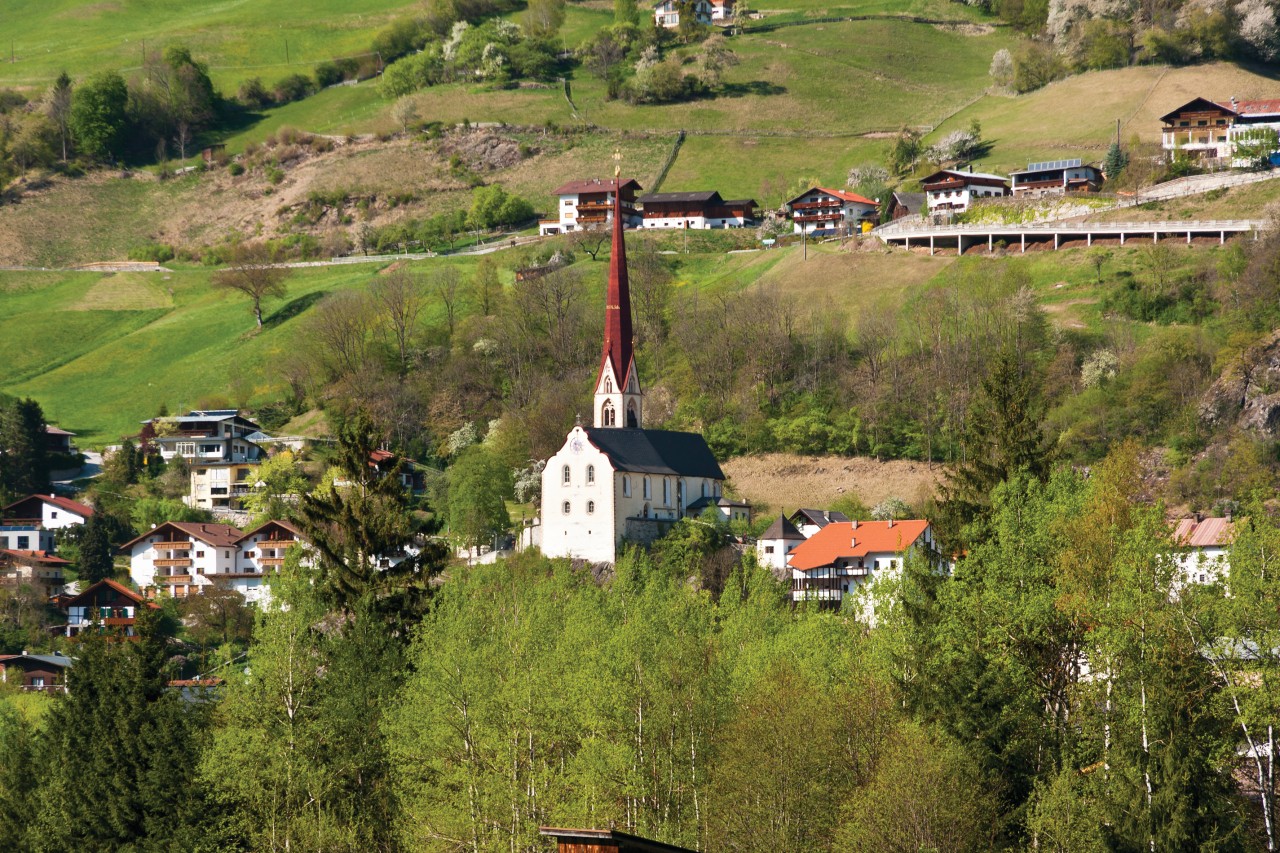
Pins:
x: 179, y: 562
x: 173, y: 579
x: 818, y: 205
x: 172, y: 546
x: 818, y: 217
x: 271, y: 561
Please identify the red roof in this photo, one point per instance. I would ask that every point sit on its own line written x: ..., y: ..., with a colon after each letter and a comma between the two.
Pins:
x: 593, y: 185
x: 856, y: 539
x: 38, y: 556
x: 843, y: 195
x: 53, y: 430
x: 1205, y: 533
x: 1267, y: 107
x: 60, y: 502
x: 618, y: 341
x: 285, y: 525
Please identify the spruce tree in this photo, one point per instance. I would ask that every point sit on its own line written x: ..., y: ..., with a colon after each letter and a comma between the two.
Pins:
x: 24, y: 463
x: 96, y: 562
x: 353, y: 525
x: 1003, y: 436
x: 1115, y: 163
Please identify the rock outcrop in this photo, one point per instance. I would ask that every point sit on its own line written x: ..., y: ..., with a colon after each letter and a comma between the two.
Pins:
x: 1247, y: 394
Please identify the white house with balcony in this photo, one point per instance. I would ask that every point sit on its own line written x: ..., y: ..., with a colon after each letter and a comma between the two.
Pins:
x: 589, y: 204
x: 954, y: 190
x: 1214, y: 130
x: 179, y: 558
x: 220, y: 485
x: 843, y: 557
x: 49, y: 512
x: 263, y: 551
x: 666, y: 13
x: 819, y: 211
x: 213, y: 435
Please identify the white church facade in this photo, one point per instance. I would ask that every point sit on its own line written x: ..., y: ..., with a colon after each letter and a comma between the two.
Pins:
x: 616, y: 480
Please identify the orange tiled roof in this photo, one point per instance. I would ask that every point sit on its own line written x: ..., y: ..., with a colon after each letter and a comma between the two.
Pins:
x: 842, y: 540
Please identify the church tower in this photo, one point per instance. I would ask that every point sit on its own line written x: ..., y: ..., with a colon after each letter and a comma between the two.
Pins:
x: 619, y: 401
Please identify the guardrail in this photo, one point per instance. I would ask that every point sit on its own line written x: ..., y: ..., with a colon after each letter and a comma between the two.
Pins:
x: 1082, y: 227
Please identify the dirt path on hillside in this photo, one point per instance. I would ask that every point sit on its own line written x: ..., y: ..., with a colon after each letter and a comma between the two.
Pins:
x: 777, y: 481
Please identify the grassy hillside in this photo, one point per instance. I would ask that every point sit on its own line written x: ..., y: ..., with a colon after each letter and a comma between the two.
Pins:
x: 237, y: 38
x: 101, y: 352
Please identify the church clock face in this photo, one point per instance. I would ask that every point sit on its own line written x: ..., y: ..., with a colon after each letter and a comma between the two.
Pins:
x: 576, y: 445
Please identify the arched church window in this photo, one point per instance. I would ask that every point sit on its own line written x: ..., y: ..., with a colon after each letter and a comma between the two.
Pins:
x: 632, y: 420
x: 565, y: 507
x: 591, y: 473
x: 591, y: 507
x: 648, y: 492
x: 626, y: 486
x: 608, y: 385
x: 564, y: 474
x: 666, y: 492
x: 607, y: 415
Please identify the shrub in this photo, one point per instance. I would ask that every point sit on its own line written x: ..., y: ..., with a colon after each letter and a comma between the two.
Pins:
x: 158, y: 252
x: 1035, y: 65
x: 253, y: 94
x: 235, y: 169
x: 328, y: 74
x: 295, y: 87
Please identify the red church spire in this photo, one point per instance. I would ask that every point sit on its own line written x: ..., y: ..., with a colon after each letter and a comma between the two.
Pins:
x: 617, y: 308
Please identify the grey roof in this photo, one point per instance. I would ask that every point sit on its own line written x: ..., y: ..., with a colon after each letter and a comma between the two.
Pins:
x: 782, y: 529
x: 702, y: 195
x: 820, y: 517
x: 49, y: 660
x: 657, y: 451
x: 913, y: 202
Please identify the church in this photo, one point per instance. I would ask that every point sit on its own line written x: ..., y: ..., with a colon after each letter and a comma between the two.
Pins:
x: 617, y: 480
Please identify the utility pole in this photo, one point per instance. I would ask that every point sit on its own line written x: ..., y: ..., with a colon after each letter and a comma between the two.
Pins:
x: 286, y: 51
x: 804, y: 240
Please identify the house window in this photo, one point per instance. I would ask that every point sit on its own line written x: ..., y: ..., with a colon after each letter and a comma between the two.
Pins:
x: 626, y: 486
x: 226, y: 554
x: 591, y: 474
x: 564, y: 475
x: 248, y: 555
x: 591, y: 507
x: 53, y: 515
x: 210, y: 448
x: 24, y: 543
x: 648, y: 492
x: 768, y: 549
x: 199, y: 554
x: 565, y: 507
x: 186, y: 448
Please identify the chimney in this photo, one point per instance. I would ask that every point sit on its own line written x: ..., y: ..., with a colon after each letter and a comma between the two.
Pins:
x: 970, y: 168
x: 854, y: 523
x: 891, y: 521
x: 853, y: 542
x: 1228, y: 515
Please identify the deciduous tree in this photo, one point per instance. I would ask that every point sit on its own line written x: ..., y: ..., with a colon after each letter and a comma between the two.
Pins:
x: 253, y: 272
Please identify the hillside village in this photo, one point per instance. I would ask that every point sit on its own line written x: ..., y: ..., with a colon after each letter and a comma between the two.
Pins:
x: 501, y: 425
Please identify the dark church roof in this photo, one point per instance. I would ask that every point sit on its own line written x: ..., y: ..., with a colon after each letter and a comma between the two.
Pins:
x: 657, y: 451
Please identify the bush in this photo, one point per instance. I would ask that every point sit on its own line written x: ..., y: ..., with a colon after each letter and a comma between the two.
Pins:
x: 235, y: 169
x: 328, y: 74
x: 158, y: 252
x: 253, y: 94
x: 1035, y: 65
x: 295, y: 87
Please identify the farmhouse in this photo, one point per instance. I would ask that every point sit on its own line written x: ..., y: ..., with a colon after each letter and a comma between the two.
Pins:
x: 590, y: 204
x: 666, y: 13
x: 1202, y: 546
x: 59, y: 441
x: 49, y: 512
x: 1055, y: 177
x: 820, y: 211
x: 952, y: 190
x: 41, y: 673
x: 843, y: 556
x: 1212, y: 130
x: 703, y: 209
x: 110, y: 605
x: 216, y: 435
x: 616, y: 479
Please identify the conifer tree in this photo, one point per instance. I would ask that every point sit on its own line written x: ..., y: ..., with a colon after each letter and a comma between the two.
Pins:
x: 367, y: 517
x: 24, y: 465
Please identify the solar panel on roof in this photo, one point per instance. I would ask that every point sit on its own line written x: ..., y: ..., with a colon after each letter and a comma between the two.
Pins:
x: 1052, y: 165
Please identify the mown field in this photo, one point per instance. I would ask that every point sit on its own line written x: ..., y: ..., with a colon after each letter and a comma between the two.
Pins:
x: 237, y: 38
x: 101, y: 352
